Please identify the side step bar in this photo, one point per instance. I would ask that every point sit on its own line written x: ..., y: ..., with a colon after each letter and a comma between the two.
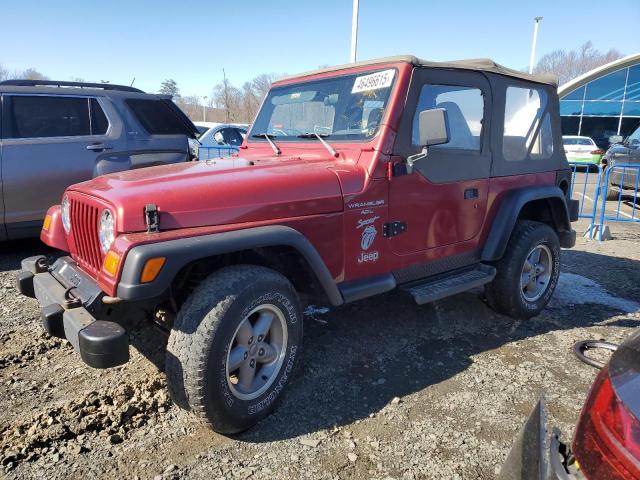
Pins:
x: 434, y: 289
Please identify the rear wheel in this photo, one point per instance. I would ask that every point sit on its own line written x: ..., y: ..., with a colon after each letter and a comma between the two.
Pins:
x: 234, y: 346
x: 528, y: 272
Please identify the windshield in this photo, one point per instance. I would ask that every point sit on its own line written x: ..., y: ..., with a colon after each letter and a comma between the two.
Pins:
x: 348, y: 107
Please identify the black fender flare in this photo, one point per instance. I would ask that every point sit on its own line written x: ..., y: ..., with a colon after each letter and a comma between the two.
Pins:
x: 183, y: 251
x: 509, y: 210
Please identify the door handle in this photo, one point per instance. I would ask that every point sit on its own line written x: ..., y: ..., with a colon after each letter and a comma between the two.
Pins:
x: 98, y: 147
x: 470, y: 193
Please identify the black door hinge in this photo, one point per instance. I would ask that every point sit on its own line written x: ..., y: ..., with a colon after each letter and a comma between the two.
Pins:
x: 392, y: 229
x: 152, y: 218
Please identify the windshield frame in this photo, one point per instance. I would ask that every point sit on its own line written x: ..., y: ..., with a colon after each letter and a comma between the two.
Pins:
x: 302, y: 81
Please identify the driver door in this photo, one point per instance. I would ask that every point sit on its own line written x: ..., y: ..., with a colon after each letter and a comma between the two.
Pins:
x: 443, y: 202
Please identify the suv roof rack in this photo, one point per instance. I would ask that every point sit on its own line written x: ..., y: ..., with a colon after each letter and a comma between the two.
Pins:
x: 54, y: 83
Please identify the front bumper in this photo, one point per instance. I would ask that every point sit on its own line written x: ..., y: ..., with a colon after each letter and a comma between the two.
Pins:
x: 70, y: 301
x: 590, y: 160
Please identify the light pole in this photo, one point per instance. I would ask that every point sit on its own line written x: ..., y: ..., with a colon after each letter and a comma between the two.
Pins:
x: 354, y: 31
x: 533, y: 43
x: 204, y: 108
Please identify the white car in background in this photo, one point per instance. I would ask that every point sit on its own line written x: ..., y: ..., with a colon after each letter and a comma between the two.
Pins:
x: 219, y: 139
x: 582, y: 150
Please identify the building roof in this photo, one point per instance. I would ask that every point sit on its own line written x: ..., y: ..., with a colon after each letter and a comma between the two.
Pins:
x: 601, y: 71
x: 477, y: 64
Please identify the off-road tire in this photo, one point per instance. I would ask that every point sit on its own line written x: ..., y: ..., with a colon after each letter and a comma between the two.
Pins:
x: 201, y: 337
x: 504, y: 294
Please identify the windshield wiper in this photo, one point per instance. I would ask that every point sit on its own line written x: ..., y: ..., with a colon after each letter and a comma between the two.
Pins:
x: 320, y: 136
x: 268, y: 138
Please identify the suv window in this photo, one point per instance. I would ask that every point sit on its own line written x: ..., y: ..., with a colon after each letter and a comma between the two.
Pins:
x: 465, y: 112
x: 156, y: 117
x: 40, y: 116
x: 634, y: 138
x: 99, y: 122
x: 527, y: 128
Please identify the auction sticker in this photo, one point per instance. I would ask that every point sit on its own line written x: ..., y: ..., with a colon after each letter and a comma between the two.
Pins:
x: 374, y: 81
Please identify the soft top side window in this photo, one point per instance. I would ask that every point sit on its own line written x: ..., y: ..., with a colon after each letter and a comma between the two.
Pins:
x: 527, y: 132
x: 465, y: 114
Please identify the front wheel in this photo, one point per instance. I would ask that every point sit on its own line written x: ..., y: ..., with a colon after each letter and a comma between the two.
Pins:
x: 528, y: 272
x: 234, y: 346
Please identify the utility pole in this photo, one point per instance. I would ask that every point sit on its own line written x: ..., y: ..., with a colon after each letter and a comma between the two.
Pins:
x: 533, y: 43
x: 226, y: 96
x: 204, y: 108
x: 354, y: 31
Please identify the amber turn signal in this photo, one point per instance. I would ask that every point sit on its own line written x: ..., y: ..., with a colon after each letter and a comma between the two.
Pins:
x: 47, y: 222
x: 151, y: 269
x: 111, y: 262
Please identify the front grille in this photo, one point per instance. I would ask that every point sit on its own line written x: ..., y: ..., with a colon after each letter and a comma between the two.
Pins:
x: 84, y: 228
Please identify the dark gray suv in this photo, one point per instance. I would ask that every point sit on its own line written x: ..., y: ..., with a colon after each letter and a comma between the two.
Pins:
x: 55, y: 134
x: 623, y: 152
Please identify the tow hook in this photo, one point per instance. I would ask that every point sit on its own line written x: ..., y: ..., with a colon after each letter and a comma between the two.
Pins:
x: 70, y: 300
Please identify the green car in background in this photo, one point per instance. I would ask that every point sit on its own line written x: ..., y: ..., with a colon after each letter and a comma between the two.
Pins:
x: 582, y: 150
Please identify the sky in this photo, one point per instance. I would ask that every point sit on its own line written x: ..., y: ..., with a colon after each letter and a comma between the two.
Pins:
x: 192, y: 41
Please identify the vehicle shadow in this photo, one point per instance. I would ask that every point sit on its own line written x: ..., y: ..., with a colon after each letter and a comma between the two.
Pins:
x: 374, y: 350
x: 13, y: 251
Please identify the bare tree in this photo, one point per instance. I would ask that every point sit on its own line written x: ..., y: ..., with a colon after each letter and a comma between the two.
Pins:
x: 227, y: 98
x: 32, y: 74
x: 262, y: 83
x: 4, y: 73
x: 253, y: 93
x: 228, y: 103
x: 190, y: 104
x: 570, y: 64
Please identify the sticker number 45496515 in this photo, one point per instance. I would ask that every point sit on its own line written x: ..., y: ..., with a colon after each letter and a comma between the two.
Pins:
x: 374, y: 81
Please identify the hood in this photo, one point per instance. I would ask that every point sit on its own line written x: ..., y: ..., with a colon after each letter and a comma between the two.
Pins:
x: 224, y: 191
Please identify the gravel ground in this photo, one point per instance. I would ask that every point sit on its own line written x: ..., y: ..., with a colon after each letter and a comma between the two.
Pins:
x: 388, y: 389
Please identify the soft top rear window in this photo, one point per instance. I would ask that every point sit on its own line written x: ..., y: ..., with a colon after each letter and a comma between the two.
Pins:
x: 157, y: 117
x: 577, y: 141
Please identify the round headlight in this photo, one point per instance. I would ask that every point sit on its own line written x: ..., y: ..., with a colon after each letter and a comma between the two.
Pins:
x: 105, y: 230
x: 66, y: 215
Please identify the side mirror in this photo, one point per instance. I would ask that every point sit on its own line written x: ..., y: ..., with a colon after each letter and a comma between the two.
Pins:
x: 433, y: 129
x: 613, y: 139
x: 433, y: 126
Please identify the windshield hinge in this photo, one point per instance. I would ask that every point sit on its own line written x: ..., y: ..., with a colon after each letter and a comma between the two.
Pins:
x: 392, y: 229
x: 152, y: 218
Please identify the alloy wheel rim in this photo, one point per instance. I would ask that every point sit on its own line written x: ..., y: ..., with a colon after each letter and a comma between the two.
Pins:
x: 256, y: 352
x: 536, y: 273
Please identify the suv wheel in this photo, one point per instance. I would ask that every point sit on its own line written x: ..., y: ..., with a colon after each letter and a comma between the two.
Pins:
x: 612, y: 193
x: 528, y: 272
x: 234, y: 346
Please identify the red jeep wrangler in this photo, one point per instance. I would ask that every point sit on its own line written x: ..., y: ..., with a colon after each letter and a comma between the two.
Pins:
x: 432, y: 177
